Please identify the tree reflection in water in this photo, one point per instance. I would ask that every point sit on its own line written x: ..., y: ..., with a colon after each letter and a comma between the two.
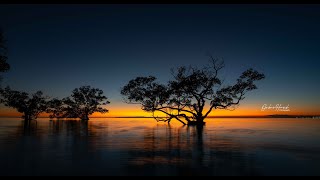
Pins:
x: 73, y: 147
x: 29, y: 127
x: 188, y: 151
x: 141, y: 147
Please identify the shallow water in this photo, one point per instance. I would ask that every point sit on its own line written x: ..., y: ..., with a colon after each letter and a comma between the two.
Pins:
x: 143, y: 147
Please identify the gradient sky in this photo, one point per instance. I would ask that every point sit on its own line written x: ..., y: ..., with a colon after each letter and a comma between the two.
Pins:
x: 56, y: 48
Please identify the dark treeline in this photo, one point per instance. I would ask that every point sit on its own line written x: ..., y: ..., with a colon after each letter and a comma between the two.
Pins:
x: 83, y: 102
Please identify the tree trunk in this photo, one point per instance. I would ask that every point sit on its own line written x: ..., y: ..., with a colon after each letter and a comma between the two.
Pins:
x: 85, y: 117
x: 26, y: 116
x: 198, y: 122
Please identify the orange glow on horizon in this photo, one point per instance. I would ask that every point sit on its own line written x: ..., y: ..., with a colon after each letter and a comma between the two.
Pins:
x: 119, y: 110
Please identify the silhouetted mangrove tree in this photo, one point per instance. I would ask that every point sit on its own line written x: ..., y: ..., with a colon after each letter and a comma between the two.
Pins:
x: 185, y: 97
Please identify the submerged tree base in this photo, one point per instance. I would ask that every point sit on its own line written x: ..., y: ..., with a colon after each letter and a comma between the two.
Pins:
x: 196, y: 123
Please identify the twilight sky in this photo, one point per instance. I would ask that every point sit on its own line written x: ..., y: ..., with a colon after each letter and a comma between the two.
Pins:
x: 56, y: 48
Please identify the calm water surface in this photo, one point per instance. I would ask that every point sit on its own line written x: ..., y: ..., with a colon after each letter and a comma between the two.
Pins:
x: 144, y: 147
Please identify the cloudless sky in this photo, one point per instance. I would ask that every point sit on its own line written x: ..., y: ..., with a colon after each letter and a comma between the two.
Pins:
x: 56, y: 48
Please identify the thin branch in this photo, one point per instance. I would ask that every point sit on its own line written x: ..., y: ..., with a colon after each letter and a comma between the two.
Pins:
x: 178, y: 109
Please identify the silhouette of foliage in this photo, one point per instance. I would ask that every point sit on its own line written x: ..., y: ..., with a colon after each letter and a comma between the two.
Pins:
x: 30, y: 106
x: 83, y: 102
x: 185, y: 97
x: 56, y: 108
x: 4, y: 66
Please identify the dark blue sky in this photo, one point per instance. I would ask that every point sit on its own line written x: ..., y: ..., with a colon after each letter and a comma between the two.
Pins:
x: 56, y: 48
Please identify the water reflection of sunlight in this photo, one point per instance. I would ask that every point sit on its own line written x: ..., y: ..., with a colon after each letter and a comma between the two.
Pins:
x: 144, y: 147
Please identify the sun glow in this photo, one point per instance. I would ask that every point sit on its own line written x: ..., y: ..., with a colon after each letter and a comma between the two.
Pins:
x: 126, y: 110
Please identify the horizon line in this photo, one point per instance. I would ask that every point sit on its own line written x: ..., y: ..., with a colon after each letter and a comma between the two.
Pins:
x: 242, y: 116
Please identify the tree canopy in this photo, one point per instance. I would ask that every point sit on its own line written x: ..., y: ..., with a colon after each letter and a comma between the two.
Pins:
x: 4, y: 66
x: 84, y: 101
x: 185, y: 97
x: 30, y: 105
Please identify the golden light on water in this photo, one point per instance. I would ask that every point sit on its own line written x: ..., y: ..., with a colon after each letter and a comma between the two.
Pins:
x: 127, y: 110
